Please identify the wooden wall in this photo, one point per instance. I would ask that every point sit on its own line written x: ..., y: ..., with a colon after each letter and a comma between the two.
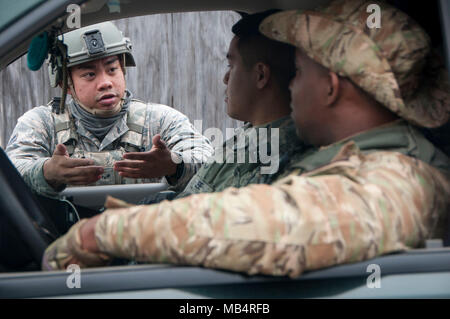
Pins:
x: 180, y: 61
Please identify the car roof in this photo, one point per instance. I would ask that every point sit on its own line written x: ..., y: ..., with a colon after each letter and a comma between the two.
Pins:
x: 15, y: 39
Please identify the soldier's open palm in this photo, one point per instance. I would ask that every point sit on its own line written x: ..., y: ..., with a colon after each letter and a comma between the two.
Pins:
x: 60, y: 169
x: 152, y: 164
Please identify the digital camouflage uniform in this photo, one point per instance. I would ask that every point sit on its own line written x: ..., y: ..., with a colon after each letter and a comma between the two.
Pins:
x: 379, y: 191
x: 227, y: 169
x: 39, y: 130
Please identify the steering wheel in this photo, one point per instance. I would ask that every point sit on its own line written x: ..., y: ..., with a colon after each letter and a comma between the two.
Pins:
x: 20, y: 208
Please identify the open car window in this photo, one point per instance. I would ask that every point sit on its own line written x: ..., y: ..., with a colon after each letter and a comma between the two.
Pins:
x: 211, y: 283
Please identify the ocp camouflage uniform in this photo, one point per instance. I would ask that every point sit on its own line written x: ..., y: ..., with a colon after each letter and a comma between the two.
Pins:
x: 226, y: 169
x: 39, y: 130
x: 379, y: 191
x: 354, y: 207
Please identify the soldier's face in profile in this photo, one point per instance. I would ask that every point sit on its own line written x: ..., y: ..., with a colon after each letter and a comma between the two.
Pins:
x: 238, y: 80
x: 99, y: 84
x: 308, y: 97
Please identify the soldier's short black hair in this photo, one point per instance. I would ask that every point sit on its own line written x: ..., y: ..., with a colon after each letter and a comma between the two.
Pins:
x: 248, y: 25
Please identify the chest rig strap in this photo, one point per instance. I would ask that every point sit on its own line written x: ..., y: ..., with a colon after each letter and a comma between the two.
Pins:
x: 132, y: 141
x: 65, y: 130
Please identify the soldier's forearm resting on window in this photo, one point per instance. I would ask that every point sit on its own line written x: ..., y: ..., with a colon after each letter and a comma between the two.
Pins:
x: 348, y: 211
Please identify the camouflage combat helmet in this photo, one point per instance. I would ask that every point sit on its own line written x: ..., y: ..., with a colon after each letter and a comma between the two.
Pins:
x: 392, y: 63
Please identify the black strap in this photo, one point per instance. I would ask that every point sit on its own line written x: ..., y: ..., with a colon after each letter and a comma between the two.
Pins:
x: 55, y: 103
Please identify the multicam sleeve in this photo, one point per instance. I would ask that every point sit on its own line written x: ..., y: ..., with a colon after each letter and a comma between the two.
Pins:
x: 186, y: 142
x: 349, y: 211
x: 30, y: 145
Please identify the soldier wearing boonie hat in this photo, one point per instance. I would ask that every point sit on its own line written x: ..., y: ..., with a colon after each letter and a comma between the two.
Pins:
x: 391, y: 63
x: 365, y: 194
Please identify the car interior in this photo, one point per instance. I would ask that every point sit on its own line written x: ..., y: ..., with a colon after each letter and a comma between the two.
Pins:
x: 28, y: 226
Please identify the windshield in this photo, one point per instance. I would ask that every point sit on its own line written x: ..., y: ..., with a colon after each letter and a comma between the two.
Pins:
x: 10, y: 11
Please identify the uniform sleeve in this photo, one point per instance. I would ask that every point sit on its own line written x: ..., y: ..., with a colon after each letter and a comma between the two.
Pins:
x: 186, y: 142
x: 349, y: 211
x: 30, y: 145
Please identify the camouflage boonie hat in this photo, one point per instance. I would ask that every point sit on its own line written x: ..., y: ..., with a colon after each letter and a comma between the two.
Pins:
x: 392, y: 63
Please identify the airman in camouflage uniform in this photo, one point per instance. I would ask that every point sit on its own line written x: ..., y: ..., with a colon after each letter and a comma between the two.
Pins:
x: 133, y: 128
x: 244, y: 158
x: 379, y: 190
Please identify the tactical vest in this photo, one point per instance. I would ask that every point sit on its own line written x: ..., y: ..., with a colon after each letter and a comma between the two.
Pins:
x: 131, y: 141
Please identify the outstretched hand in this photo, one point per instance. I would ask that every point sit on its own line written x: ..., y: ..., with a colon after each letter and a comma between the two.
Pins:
x: 61, y: 170
x: 152, y: 164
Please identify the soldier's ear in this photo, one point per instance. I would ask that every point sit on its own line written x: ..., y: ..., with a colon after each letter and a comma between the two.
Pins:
x: 262, y: 73
x: 333, y: 88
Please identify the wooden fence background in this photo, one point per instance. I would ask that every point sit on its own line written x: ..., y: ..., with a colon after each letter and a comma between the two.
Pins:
x: 181, y: 61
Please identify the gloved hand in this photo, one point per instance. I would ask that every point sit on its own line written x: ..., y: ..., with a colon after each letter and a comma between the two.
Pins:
x: 67, y: 250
